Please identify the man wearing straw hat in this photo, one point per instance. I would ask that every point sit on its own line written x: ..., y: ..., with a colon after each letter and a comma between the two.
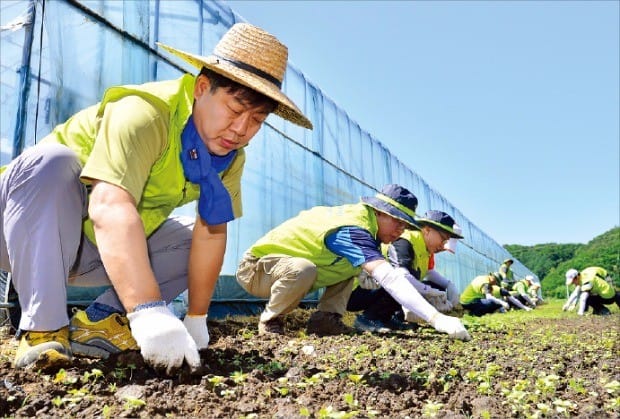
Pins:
x: 90, y: 205
x: 327, y: 247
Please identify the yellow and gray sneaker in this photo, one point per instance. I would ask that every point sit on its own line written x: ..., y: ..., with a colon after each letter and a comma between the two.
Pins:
x: 44, y: 350
x: 99, y: 339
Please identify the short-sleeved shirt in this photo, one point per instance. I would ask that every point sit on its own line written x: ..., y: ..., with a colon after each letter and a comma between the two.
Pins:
x: 123, y: 153
x: 355, y: 244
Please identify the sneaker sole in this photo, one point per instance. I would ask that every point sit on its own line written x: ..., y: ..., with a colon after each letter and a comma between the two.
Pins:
x: 382, y: 330
x: 371, y: 330
x: 95, y: 348
x: 47, y: 360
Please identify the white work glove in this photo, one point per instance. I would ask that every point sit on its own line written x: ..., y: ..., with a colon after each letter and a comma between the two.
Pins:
x: 367, y: 282
x: 453, y: 294
x: 163, y: 339
x: 411, y: 317
x: 505, y: 305
x: 433, y: 292
x: 197, y: 328
x: 568, y: 306
x: 450, y: 325
x: 441, y: 303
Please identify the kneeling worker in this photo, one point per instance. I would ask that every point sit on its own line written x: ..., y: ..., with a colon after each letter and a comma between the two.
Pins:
x: 327, y: 247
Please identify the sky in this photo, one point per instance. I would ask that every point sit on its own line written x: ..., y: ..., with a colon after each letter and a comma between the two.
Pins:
x: 508, y: 109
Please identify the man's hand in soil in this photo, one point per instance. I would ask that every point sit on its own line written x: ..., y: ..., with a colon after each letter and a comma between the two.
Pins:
x: 163, y: 339
x: 450, y: 325
x: 196, y: 325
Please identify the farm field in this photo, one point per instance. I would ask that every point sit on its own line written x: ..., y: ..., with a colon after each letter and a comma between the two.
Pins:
x: 544, y: 363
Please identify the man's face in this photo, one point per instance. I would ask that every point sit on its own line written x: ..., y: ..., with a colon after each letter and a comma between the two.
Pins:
x: 224, y: 122
x: 390, y: 228
x: 434, y: 239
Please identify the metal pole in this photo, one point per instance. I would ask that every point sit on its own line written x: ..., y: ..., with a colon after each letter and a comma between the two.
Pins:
x: 24, y: 82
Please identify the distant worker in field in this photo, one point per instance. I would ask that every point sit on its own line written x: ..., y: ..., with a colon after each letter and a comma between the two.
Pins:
x: 506, y: 274
x: 535, y: 292
x: 413, y: 251
x: 478, y: 298
x: 509, y: 297
x: 521, y: 288
x: 592, y: 289
x: 92, y: 204
x: 327, y: 247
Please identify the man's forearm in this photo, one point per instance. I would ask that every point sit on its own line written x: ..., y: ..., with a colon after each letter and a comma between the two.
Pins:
x: 205, y: 263
x: 122, y: 245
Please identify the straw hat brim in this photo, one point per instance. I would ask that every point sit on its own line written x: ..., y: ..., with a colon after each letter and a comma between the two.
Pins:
x: 286, y: 108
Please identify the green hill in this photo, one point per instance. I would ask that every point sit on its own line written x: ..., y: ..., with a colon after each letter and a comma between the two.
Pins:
x: 550, y: 261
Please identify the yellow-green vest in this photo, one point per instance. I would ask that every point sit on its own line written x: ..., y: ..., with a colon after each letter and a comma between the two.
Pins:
x: 421, y: 254
x: 166, y: 187
x: 520, y: 287
x: 304, y: 236
x: 596, y: 276
x: 473, y: 291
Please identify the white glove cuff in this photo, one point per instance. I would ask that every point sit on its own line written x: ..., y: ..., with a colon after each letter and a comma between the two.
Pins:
x: 141, y: 311
x: 196, y: 325
x: 437, y: 279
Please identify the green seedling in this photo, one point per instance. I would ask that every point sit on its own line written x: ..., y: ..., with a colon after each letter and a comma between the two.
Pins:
x: 132, y: 403
x: 350, y: 400
x: 431, y: 409
x: 612, y: 387
x: 239, y: 377
x: 63, y: 377
x: 356, y: 378
x: 93, y: 375
x: 106, y: 412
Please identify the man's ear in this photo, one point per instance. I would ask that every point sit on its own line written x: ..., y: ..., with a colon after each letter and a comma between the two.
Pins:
x: 202, y: 86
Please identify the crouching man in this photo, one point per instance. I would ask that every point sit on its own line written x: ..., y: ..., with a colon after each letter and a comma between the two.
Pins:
x: 326, y: 247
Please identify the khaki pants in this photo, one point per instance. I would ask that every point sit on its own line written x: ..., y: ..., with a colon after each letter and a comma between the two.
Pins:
x: 285, y: 280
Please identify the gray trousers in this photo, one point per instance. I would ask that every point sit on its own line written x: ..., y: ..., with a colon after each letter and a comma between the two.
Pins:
x: 42, y: 205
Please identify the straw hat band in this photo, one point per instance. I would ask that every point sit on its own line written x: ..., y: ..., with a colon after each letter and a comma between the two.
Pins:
x: 251, y: 69
x: 396, y: 204
x: 253, y: 58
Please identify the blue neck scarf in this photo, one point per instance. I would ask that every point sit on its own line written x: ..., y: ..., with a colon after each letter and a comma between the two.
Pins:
x: 202, y: 168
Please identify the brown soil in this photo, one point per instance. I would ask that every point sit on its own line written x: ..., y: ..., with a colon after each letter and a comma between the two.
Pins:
x: 540, y: 364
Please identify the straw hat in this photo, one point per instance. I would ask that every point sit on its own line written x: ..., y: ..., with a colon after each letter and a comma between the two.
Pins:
x: 254, y: 58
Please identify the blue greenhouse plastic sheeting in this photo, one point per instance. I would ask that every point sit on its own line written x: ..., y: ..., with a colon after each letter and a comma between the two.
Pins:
x: 79, y: 48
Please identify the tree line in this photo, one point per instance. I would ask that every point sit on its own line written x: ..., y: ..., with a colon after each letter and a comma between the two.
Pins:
x: 550, y: 261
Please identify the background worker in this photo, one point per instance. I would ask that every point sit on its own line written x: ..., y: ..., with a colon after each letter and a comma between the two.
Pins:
x: 123, y: 165
x: 535, y: 293
x: 478, y: 298
x: 506, y: 274
x: 508, y: 296
x: 411, y: 251
x: 520, y: 290
x: 592, y: 289
x: 327, y: 247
